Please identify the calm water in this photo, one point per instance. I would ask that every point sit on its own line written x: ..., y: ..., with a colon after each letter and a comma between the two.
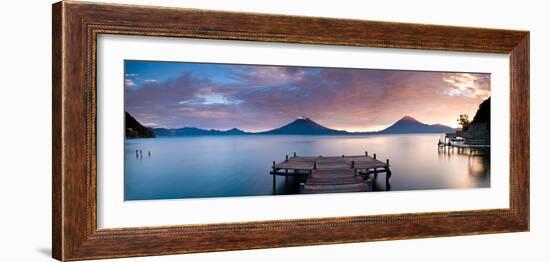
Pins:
x: 221, y: 166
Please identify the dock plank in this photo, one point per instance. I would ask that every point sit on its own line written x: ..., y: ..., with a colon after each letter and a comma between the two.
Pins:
x: 295, y: 165
x: 330, y: 174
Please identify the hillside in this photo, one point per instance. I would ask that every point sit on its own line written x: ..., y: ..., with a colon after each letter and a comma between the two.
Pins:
x: 135, y: 129
x: 480, y: 127
x: 483, y: 114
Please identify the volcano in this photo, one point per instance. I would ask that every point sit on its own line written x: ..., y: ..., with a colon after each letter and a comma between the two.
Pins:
x: 304, y: 126
x: 408, y: 125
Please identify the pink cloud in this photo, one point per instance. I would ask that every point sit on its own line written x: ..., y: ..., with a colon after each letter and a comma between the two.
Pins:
x: 265, y: 97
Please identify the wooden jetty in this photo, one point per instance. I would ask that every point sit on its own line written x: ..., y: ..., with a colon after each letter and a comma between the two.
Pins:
x: 449, y: 141
x: 332, y: 174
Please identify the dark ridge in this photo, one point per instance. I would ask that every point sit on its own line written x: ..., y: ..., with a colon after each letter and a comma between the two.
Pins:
x: 483, y: 114
x: 134, y: 129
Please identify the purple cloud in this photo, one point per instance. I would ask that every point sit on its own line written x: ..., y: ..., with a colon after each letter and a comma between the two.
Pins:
x: 264, y: 97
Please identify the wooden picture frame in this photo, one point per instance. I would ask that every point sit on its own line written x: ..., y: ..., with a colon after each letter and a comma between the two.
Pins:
x: 76, y: 26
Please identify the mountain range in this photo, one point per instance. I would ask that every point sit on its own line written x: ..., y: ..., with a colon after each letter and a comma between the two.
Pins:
x: 193, y: 131
x: 306, y: 126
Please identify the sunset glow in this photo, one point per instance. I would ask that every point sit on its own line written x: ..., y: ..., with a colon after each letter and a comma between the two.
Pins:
x: 257, y: 98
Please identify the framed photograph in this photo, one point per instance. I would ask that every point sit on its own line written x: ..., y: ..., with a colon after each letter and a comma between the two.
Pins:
x: 181, y: 130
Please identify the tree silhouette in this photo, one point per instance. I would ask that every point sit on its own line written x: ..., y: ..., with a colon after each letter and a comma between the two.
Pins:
x: 463, y: 121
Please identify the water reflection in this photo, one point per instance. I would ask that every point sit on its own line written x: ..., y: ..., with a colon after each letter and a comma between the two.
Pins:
x: 478, y: 159
x: 189, y: 167
x: 386, y: 186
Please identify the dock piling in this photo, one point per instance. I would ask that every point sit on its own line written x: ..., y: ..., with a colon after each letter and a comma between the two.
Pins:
x: 274, y: 178
x: 369, y: 185
x: 388, y: 173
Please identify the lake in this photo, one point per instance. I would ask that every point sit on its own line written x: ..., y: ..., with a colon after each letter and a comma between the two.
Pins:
x: 223, y: 166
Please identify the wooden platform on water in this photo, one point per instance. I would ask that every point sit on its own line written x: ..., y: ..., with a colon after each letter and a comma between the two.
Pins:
x: 332, y: 174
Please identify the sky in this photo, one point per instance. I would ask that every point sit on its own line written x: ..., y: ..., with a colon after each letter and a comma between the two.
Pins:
x: 263, y: 97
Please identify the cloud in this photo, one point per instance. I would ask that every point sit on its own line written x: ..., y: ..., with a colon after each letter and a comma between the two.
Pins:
x: 265, y: 97
x: 211, y: 99
x: 269, y: 75
x: 468, y: 85
x: 184, y: 101
x: 129, y: 83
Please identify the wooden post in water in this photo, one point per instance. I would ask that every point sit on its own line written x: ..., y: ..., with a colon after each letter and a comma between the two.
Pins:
x: 286, y: 176
x: 388, y: 172
x: 274, y: 175
x: 369, y: 184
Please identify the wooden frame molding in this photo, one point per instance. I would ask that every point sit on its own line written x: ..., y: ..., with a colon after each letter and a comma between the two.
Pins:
x: 76, y: 26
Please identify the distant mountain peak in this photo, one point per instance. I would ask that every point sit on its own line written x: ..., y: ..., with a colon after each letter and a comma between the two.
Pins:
x: 409, y: 118
x: 409, y: 124
x: 303, y: 126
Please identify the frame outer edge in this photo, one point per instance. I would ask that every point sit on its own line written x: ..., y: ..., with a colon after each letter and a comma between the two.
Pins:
x: 519, y: 137
x: 72, y: 239
x: 57, y: 122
